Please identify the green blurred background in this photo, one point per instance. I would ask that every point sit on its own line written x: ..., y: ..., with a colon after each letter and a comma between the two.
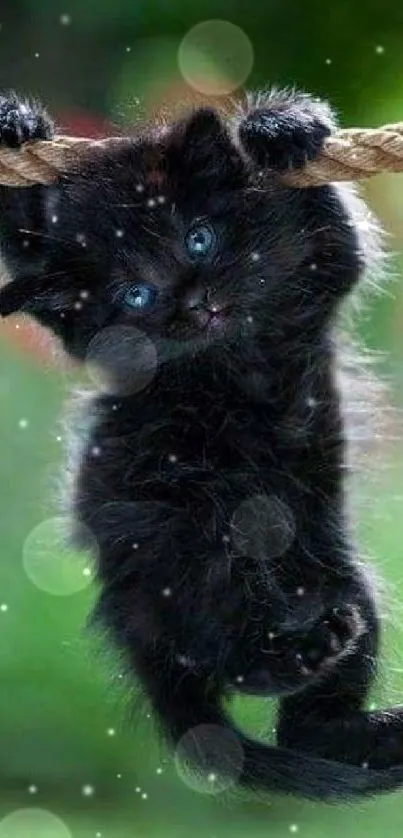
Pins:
x: 73, y: 762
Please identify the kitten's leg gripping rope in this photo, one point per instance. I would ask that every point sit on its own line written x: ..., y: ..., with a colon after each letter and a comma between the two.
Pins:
x: 349, y: 154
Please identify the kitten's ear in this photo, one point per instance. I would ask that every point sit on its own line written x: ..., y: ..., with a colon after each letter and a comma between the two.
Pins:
x: 202, y: 147
x: 204, y: 125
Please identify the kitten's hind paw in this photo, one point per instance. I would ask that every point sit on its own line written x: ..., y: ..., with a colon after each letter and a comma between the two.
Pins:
x: 332, y: 638
x: 22, y: 120
x: 286, y: 130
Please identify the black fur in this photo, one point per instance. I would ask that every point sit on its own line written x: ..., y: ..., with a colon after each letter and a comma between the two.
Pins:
x: 212, y: 475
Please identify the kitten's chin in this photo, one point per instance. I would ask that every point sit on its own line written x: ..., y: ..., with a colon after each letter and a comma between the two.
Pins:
x: 210, y: 329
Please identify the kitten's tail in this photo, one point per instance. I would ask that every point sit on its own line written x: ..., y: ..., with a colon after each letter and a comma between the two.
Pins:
x: 279, y: 769
x: 215, y: 747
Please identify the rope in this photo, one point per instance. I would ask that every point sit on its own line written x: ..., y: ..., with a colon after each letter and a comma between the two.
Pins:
x: 349, y: 154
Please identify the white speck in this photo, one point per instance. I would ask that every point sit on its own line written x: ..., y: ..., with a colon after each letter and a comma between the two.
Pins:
x: 151, y: 202
x: 271, y: 635
x: 365, y: 764
x: 294, y: 827
x: 249, y: 318
x: 138, y: 789
x: 212, y: 777
x: 33, y: 789
x: 372, y: 706
x: 173, y: 458
x: 119, y: 234
x: 167, y: 592
x: 119, y: 776
x: 65, y: 20
x: 80, y: 238
x: 255, y: 256
x: 135, y: 546
x: 139, y: 187
x: 226, y: 539
x: 59, y: 438
x: 274, y: 730
x: 3, y: 607
x: 98, y: 835
x: 144, y: 795
x: 114, y: 407
x: 262, y: 281
x: 87, y: 791
x: 148, y: 715
x: 128, y: 49
x: 23, y: 423
x: 78, y: 306
x: 300, y: 591
x: 111, y: 731
x: 313, y: 266
x: 84, y: 295
x: 311, y: 401
x: 37, y: 55
x: 95, y: 450
x: 328, y: 61
x: 87, y: 571
x: 25, y: 243
x: 239, y: 679
x: 159, y: 771
x: 379, y: 49
x: 161, y: 199
x: 17, y: 325
x: 55, y: 219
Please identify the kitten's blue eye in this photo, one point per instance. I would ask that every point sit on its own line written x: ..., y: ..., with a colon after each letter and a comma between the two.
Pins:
x: 140, y: 296
x: 200, y: 241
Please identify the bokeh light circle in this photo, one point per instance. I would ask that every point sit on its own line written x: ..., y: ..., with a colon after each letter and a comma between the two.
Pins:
x: 209, y: 759
x: 215, y: 57
x: 50, y: 561
x: 262, y: 527
x: 121, y: 360
x: 33, y: 823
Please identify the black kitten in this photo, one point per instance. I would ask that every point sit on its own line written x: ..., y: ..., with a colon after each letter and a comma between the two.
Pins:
x: 207, y: 290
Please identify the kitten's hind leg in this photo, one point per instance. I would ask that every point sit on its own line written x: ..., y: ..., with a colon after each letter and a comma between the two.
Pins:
x: 328, y: 720
x: 284, y: 129
x: 191, y: 715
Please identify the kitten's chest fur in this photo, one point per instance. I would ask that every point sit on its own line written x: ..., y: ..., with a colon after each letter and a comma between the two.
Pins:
x: 208, y: 442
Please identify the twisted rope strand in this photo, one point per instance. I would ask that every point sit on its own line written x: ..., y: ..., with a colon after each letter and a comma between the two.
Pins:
x: 349, y: 154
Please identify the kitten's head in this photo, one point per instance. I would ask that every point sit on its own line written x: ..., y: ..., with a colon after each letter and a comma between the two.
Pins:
x: 176, y: 236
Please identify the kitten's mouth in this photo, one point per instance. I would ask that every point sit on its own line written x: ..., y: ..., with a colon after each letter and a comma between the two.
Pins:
x: 209, y: 320
x: 217, y: 321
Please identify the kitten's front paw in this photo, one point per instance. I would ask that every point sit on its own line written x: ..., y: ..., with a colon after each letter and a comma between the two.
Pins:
x: 286, y: 130
x: 331, y: 639
x: 22, y: 121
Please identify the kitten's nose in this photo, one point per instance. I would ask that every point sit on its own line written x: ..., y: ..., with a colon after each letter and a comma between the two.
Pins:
x: 196, y: 297
x: 201, y: 298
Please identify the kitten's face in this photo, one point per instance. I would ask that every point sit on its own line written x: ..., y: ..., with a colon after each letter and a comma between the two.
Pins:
x: 172, y: 239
